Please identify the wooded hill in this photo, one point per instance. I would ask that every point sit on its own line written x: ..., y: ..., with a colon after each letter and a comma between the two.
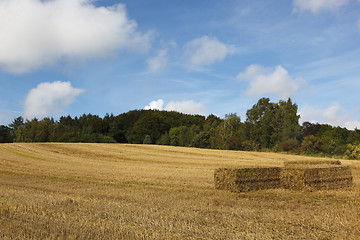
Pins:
x: 268, y: 126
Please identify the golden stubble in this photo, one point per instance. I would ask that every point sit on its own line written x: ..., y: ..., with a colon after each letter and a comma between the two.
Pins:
x: 120, y: 191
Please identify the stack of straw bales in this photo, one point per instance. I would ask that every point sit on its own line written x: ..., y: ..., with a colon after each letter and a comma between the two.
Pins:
x: 312, y: 163
x: 315, y: 175
x: 296, y: 175
x: 247, y: 179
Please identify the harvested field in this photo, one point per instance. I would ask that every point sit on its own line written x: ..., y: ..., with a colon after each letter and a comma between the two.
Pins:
x: 119, y: 191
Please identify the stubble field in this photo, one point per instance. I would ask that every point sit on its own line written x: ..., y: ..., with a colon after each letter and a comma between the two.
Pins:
x: 119, y: 191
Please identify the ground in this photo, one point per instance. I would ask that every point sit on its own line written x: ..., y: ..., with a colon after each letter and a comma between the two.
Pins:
x: 120, y: 191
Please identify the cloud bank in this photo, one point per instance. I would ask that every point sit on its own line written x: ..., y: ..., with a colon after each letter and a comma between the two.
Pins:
x: 206, y: 51
x: 49, y: 99
x: 316, y: 6
x: 267, y: 81
x: 37, y: 33
x: 333, y: 115
x: 188, y: 107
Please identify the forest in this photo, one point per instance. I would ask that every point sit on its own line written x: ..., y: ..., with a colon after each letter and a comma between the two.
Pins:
x: 268, y: 127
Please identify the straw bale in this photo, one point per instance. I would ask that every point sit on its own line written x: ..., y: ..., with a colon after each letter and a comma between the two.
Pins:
x: 247, y: 179
x: 313, y: 163
x: 316, y: 178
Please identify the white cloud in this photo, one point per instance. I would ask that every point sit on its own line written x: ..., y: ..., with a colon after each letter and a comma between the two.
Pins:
x: 157, y: 63
x: 265, y: 80
x: 334, y: 115
x: 316, y: 6
x: 36, y: 33
x: 49, y: 99
x: 352, y: 125
x: 189, y: 107
x: 206, y: 50
x: 155, y: 105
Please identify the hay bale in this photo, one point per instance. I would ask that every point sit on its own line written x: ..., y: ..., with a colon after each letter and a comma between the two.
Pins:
x: 303, y: 177
x: 312, y: 163
x: 247, y: 179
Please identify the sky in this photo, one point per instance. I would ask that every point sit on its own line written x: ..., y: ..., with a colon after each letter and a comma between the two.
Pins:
x: 70, y: 57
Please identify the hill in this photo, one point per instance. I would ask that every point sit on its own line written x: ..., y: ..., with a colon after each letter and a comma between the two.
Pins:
x: 268, y: 126
x: 83, y: 190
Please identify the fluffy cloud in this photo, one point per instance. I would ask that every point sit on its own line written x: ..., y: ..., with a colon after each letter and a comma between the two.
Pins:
x: 49, y: 99
x: 155, y: 105
x: 316, y: 6
x: 333, y: 115
x: 265, y: 80
x: 157, y: 63
x: 189, y: 107
x: 36, y: 33
x: 206, y: 50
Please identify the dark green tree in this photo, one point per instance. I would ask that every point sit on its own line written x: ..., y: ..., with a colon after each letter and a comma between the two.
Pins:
x: 334, y: 140
x: 15, y: 125
x: 269, y: 124
x: 147, y: 140
x: 182, y: 135
x: 212, y: 126
x: 174, y: 136
x: 5, y: 134
x: 164, y: 139
x: 150, y: 124
x: 259, y: 121
x: 230, y: 126
x: 311, y: 144
x: 68, y: 130
x: 234, y: 143
x: 286, y: 122
x: 201, y: 140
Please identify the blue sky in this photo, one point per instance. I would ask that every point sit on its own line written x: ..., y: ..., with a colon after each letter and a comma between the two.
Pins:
x: 69, y: 57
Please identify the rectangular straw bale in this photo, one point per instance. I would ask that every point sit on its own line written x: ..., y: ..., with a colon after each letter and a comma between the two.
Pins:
x: 247, y: 179
x: 316, y: 178
x: 312, y: 162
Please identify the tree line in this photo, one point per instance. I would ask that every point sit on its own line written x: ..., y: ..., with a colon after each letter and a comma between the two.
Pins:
x: 268, y: 127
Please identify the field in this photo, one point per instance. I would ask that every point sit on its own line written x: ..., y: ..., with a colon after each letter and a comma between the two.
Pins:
x: 119, y: 191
